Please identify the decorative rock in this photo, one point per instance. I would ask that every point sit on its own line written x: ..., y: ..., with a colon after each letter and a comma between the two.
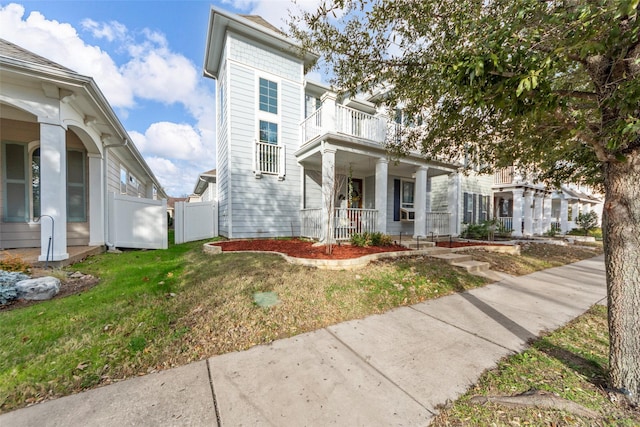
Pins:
x: 39, y: 289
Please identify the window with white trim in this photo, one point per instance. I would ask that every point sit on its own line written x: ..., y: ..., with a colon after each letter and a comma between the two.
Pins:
x: 15, y: 192
x: 268, y: 96
x: 76, y: 187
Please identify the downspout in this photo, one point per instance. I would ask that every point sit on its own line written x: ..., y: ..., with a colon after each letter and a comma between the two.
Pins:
x: 105, y: 170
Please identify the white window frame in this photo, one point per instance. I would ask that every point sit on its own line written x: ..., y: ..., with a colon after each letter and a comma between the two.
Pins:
x: 124, y: 173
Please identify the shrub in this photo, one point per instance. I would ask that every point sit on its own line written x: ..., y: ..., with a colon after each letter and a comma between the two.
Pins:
x: 587, y: 222
x: 360, y: 239
x: 13, y: 263
x: 371, y: 239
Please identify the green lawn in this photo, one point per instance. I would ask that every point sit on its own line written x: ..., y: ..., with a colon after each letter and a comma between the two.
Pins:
x: 154, y: 310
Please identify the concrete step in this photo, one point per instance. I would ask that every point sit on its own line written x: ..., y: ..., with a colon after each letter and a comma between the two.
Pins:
x: 453, y: 257
x: 413, y: 244
x: 472, y: 266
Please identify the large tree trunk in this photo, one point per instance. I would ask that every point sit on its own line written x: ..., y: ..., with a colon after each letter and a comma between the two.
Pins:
x: 621, y: 227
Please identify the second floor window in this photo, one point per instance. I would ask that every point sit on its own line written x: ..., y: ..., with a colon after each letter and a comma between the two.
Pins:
x: 268, y: 132
x: 268, y: 96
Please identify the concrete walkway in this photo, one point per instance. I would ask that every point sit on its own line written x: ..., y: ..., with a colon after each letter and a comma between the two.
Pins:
x: 389, y: 369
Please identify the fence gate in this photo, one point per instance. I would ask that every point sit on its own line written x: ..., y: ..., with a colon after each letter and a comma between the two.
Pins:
x: 195, y: 221
x: 137, y: 223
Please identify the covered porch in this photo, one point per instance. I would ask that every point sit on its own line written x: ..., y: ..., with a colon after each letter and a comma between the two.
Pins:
x: 349, y: 186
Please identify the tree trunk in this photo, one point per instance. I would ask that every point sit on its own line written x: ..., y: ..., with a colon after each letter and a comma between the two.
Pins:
x: 621, y: 228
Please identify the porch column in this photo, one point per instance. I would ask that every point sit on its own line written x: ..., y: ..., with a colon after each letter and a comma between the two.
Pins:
x: 517, y: 212
x: 537, y: 214
x: 453, y: 203
x: 328, y: 119
x: 546, y: 222
x: 382, y: 178
x: 528, y: 213
x: 420, y: 202
x: 53, y: 192
x: 564, y: 214
x: 328, y: 192
x: 96, y: 201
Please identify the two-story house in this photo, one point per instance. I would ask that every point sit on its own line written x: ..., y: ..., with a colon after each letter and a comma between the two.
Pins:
x: 294, y: 159
x: 529, y: 208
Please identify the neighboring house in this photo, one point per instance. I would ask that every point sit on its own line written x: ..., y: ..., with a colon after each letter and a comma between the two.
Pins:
x: 295, y: 159
x: 205, y: 189
x: 63, y: 150
x: 534, y: 209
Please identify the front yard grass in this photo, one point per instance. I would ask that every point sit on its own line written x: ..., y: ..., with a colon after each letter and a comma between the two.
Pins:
x: 154, y: 310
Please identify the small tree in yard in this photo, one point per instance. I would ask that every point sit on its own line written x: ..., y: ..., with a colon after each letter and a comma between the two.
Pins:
x: 551, y: 86
x: 587, y: 221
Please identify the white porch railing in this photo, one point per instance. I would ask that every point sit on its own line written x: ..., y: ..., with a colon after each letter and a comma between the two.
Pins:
x: 438, y: 223
x: 360, y: 124
x: 311, y: 223
x: 347, y: 222
x: 506, y: 222
x: 269, y: 159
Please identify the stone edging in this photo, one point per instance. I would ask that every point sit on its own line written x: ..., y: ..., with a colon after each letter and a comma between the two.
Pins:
x: 353, y: 263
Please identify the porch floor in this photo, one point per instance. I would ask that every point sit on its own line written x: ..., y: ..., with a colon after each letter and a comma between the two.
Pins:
x: 30, y: 255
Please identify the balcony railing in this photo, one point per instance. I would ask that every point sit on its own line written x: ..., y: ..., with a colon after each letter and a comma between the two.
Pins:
x: 504, y: 176
x: 312, y: 126
x: 344, y: 120
x: 311, y: 223
x: 357, y: 123
x: 269, y: 159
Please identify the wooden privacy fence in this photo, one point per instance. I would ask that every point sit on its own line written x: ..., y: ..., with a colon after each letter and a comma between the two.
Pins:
x: 137, y: 223
x: 195, y: 221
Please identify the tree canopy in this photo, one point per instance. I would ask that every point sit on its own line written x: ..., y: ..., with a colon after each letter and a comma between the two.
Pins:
x: 544, y: 84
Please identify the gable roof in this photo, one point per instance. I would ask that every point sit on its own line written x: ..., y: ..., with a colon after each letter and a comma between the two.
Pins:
x: 13, y: 51
x: 254, y: 27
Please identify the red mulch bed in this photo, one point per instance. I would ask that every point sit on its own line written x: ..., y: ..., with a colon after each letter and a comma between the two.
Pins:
x: 305, y: 249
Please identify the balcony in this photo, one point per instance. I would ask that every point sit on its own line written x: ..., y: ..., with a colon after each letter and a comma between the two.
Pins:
x: 269, y: 159
x: 346, y: 121
x: 504, y: 176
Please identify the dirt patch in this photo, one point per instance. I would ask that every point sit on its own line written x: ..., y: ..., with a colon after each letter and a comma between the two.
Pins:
x: 465, y: 244
x: 73, y: 283
x: 306, y: 249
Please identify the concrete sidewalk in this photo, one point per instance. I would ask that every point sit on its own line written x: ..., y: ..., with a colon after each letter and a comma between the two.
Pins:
x: 389, y: 369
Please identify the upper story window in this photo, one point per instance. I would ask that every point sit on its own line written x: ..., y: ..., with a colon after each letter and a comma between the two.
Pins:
x: 268, y: 96
x: 268, y: 132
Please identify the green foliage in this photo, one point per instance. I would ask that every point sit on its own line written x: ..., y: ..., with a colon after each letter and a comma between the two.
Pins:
x: 587, y: 221
x: 483, y: 230
x: 371, y: 239
x: 7, y: 294
x: 511, y: 81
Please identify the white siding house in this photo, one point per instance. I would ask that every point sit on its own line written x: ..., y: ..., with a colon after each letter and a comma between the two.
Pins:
x: 295, y: 159
x: 63, y: 151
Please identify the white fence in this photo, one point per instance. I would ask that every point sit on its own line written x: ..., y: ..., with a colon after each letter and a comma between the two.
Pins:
x: 137, y: 223
x: 195, y: 221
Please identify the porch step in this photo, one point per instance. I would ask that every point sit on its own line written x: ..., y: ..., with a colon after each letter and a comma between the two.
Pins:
x: 414, y: 244
x: 472, y: 266
x: 452, y: 258
x: 465, y: 261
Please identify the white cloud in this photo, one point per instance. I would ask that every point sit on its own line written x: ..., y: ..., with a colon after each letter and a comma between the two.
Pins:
x: 101, y: 30
x: 173, y: 140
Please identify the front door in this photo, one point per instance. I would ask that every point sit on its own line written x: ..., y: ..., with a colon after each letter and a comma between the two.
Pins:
x: 356, y: 194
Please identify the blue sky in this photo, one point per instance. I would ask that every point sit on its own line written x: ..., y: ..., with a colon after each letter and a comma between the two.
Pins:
x: 147, y: 58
